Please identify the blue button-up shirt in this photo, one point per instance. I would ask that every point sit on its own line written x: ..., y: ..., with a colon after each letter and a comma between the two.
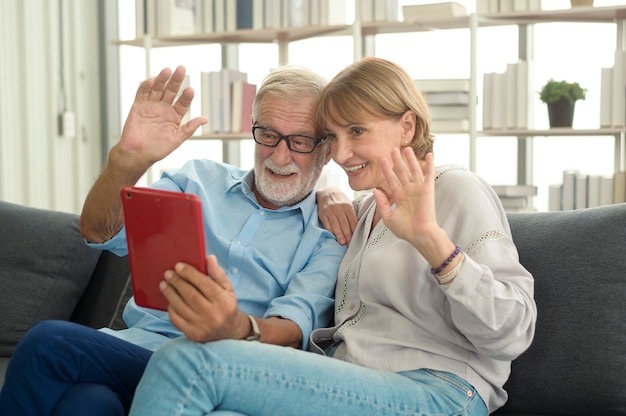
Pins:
x: 280, y: 262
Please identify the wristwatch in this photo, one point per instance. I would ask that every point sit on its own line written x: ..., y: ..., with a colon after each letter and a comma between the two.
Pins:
x: 256, y: 333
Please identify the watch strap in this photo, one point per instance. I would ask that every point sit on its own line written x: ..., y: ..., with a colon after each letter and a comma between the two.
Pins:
x: 256, y: 333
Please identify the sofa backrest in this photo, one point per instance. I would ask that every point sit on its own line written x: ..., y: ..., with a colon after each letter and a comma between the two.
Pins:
x: 576, y: 364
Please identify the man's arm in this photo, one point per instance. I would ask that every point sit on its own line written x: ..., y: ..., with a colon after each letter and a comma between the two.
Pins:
x: 151, y: 132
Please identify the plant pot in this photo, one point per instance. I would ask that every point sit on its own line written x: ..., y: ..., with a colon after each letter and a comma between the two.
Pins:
x: 575, y: 3
x: 561, y: 113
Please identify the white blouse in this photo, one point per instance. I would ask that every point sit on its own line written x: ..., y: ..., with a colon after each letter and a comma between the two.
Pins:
x: 392, y: 314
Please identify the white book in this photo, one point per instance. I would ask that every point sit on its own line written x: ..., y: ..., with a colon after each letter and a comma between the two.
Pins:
x: 258, y: 14
x: 618, y: 87
x: 442, y: 85
x: 520, y: 5
x: 219, y: 14
x: 298, y: 12
x: 568, y: 194
x: 482, y: 6
x: 314, y: 12
x: 525, y: 90
x: 385, y: 10
x: 205, y: 100
x: 606, y: 99
x: 515, y: 190
x: 606, y: 190
x: 514, y: 201
x: 177, y: 18
x: 446, y: 97
x: 534, y: 5
x: 488, y: 100
x: 619, y: 187
x: 554, y: 198
x: 510, y: 96
x: 215, y: 97
x: 581, y: 191
x: 449, y: 111
x: 334, y: 12
x: 505, y: 6
x: 452, y: 125
x: 228, y: 76
x: 273, y: 10
x: 593, y: 191
x: 231, y: 15
x: 208, y: 20
x: 497, y: 100
x: 366, y: 10
x: 433, y: 11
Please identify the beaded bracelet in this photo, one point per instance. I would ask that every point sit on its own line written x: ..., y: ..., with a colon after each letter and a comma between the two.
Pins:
x: 449, y: 277
x: 445, y: 264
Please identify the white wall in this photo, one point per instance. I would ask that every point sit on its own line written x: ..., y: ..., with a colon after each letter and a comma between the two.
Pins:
x: 37, y: 166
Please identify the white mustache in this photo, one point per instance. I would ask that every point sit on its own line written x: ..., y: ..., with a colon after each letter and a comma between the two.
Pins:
x: 282, y: 170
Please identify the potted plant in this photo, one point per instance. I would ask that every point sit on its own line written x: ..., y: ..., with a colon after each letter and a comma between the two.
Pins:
x: 561, y: 97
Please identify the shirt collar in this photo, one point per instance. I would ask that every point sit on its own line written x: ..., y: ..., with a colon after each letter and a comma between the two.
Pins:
x: 245, y: 185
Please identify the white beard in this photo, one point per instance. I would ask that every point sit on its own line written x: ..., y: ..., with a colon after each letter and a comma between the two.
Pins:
x: 284, y: 193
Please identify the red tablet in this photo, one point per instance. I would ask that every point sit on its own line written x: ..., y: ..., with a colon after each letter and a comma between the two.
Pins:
x: 162, y: 228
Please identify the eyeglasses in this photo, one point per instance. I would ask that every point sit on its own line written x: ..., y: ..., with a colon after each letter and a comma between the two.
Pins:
x: 295, y: 143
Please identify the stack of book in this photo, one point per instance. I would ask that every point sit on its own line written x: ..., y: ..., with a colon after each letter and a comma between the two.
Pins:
x: 170, y: 18
x: 516, y: 198
x: 433, y: 11
x: 581, y: 190
x: 448, y: 102
x: 378, y: 11
x: 507, y: 102
x: 506, y: 6
x: 226, y: 100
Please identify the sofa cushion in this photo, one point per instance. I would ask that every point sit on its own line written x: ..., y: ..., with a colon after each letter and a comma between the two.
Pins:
x: 44, y: 268
x: 577, y: 361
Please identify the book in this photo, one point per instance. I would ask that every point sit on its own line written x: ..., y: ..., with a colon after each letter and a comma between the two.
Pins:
x: 606, y: 190
x: 606, y: 80
x: 618, y: 88
x: 515, y: 190
x: 297, y: 12
x: 568, y: 191
x: 433, y: 11
x: 488, y: 100
x: 525, y: 90
x: 554, y: 197
x: 514, y: 201
x: 228, y: 76
x: 273, y: 14
x: 449, y: 111
x: 619, y: 187
x: 386, y: 11
x: 446, y: 97
x: 449, y: 125
x: 581, y: 191
x: 442, y: 85
x: 178, y: 17
x: 497, y: 102
x: 510, y: 96
x: 208, y: 20
x: 593, y: 191
x: 242, y: 98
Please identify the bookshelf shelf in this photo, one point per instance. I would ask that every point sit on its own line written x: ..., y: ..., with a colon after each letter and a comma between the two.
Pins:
x: 362, y: 32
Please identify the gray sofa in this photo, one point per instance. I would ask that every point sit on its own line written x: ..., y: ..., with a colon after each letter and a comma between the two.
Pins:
x: 575, y: 366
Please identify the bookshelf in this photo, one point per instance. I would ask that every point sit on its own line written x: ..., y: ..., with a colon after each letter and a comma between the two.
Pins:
x: 363, y: 33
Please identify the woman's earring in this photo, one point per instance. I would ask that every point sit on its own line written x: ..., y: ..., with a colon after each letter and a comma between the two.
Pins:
x: 406, y: 142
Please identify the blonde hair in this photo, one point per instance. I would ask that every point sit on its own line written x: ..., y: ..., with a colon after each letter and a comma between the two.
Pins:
x: 375, y: 87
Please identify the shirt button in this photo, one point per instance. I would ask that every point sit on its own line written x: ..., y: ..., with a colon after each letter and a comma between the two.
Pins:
x: 352, y: 307
x: 235, y: 270
x: 261, y: 213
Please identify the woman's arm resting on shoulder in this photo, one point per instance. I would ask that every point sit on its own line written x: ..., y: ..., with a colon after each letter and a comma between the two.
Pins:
x: 336, y: 213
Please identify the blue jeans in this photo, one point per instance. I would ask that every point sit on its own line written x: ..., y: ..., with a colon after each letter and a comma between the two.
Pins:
x: 251, y: 378
x: 62, y: 368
